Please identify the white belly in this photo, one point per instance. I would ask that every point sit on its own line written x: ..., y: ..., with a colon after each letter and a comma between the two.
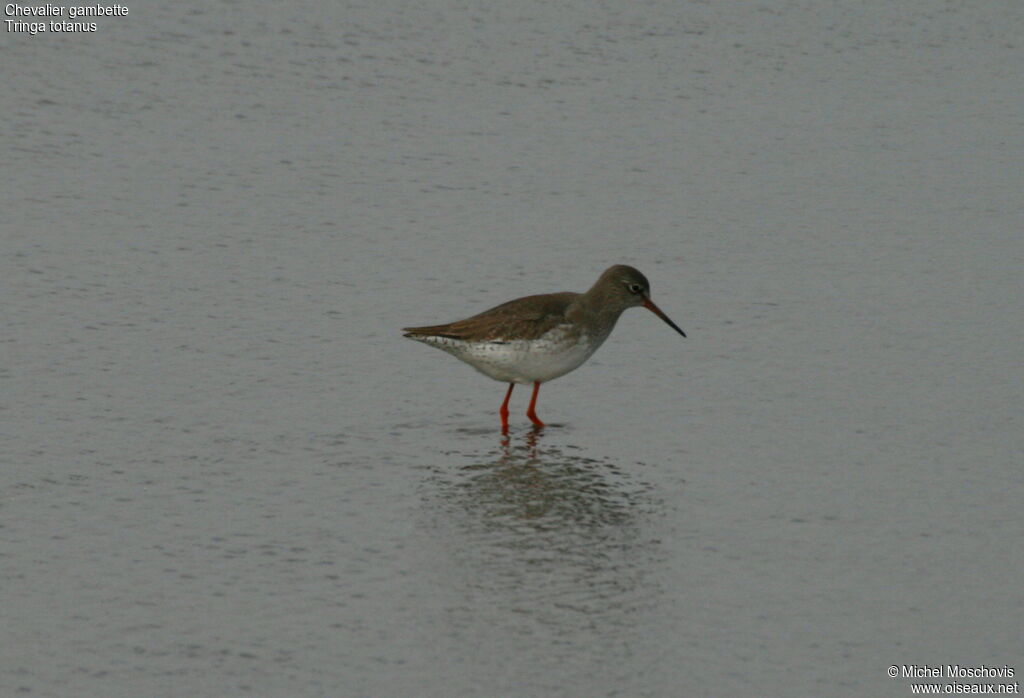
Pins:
x: 523, y: 361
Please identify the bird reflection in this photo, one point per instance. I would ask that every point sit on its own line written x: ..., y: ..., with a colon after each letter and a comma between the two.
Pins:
x: 542, y: 521
x: 545, y: 485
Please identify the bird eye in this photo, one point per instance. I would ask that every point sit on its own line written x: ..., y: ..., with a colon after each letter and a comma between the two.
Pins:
x: 635, y: 288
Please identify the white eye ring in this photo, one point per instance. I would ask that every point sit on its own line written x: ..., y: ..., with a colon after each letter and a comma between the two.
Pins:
x: 635, y: 288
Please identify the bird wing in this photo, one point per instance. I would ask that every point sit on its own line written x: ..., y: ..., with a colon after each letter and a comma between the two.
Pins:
x: 522, y: 318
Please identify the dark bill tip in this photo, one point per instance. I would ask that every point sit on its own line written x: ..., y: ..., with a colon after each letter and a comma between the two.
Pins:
x: 649, y: 304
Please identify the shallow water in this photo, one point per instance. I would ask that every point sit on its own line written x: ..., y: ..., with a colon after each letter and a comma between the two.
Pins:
x: 226, y: 472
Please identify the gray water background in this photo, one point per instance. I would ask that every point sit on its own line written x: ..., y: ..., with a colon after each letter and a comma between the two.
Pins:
x: 226, y: 474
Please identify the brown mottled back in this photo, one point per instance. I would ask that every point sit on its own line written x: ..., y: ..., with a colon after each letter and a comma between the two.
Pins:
x: 522, y: 318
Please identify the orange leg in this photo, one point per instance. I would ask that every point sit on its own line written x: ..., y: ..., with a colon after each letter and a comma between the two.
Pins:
x: 504, y: 409
x: 531, y: 413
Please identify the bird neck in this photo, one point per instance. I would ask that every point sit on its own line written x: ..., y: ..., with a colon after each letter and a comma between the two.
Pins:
x: 599, y: 309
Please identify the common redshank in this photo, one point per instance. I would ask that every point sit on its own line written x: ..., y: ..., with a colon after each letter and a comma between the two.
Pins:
x: 539, y: 338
